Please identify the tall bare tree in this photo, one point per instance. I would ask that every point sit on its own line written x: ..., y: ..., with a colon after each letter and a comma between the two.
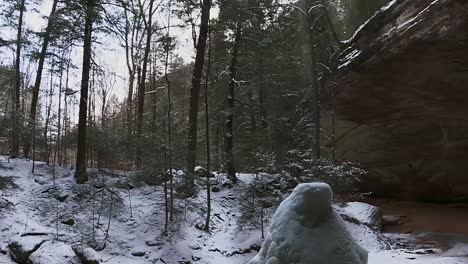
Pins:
x: 196, y: 81
x: 17, y: 93
x: 231, y: 171
x: 207, y: 133
x: 37, y: 83
x: 81, y: 175
x: 148, y: 22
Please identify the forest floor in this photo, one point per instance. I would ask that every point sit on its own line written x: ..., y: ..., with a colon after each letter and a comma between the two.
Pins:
x: 123, y: 233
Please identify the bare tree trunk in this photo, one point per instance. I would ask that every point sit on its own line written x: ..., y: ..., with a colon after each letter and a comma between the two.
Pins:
x: 169, y: 113
x: 315, y: 100
x: 17, y: 101
x: 195, y: 91
x: 253, y: 109
x: 81, y: 175
x: 37, y: 83
x: 64, y: 159
x: 59, y: 114
x: 309, y: 22
x: 207, y: 135
x: 34, y: 146
x: 154, y: 95
x: 89, y: 146
x: 130, y: 106
x: 166, y: 198
x: 261, y: 93
x: 142, y: 82
x: 47, y: 120
x: 231, y: 171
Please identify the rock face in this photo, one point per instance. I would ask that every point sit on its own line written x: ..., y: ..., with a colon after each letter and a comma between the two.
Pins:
x: 402, y: 99
x: 306, y: 229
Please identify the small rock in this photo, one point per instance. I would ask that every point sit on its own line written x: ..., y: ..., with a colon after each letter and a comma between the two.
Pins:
x: 292, y: 183
x: 255, y: 247
x: 227, y: 185
x: 69, y: 222
x: 61, y: 198
x: 195, y: 247
x: 3, y: 249
x: 138, y: 253
x: 199, y: 170
x: 200, y: 226
x: 46, y: 190
x: 40, y: 182
x: 266, y: 204
x: 215, y: 189
x: 154, y: 243
x: 98, y: 185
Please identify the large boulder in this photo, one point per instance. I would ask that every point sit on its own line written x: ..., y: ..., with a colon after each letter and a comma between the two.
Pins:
x: 22, y: 247
x: 52, y: 252
x: 306, y: 229
x: 89, y: 256
x: 366, y: 214
x: 401, y: 100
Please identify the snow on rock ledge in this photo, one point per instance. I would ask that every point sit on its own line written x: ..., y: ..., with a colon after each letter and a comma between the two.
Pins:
x: 306, y: 229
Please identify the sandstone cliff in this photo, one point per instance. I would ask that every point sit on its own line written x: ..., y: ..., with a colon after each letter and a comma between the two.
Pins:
x: 402, y: 99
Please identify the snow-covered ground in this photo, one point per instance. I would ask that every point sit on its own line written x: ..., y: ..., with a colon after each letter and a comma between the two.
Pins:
x: 32, y: 205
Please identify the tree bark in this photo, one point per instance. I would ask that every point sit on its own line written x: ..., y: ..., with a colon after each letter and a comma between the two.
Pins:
x: 169, y: 113
x: 261, y: 93
x: 81, y: 175
x: 17, y: 101
x: 231, y: 171
x: 37, y: 83
x: 207, y: 135
x: 142, y: 82
x: 130, y: 106
x: 47, y: 120
x: 316, y: 98
x: 195, y: 91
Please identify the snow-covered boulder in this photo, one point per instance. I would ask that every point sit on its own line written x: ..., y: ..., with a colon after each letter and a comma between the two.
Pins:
x: 53, y: 253
x: 306, y: 229
x: 23, y: 246
x: 367, y: 214
x: 199, y: 169
x: 90, y: 256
